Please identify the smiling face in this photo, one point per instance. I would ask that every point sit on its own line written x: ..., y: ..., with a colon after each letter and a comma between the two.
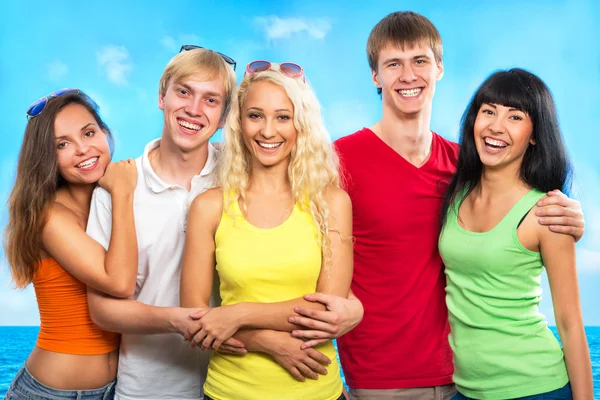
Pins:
x: 407, y: 78
x: 82, y: 149
x: 267, y: 120
x: 502, y: 135
x: 192, y: 111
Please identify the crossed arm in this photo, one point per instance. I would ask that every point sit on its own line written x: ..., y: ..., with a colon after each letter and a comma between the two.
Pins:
x: 199, y: 264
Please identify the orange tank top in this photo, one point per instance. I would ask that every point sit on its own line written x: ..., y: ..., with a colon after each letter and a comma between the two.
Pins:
x: 66, y: 325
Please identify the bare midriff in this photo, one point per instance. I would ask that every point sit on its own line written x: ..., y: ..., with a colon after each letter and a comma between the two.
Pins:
x: 73, y: 371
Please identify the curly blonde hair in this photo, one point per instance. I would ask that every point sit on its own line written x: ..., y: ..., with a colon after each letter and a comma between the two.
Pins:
x: 313, y: 165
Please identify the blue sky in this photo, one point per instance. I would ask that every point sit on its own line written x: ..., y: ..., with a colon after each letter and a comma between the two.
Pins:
x: 116, y: 53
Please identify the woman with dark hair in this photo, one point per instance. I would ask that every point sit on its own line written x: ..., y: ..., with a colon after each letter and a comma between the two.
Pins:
x: 64, y: 155
x: 511, y: 154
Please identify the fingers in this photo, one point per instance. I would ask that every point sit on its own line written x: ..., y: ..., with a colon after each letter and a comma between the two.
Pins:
x: 306, y: 371
x: 329, y: 327
x: 330, y: 317
x: 556, y: 211
x: 322, y: 298
x: 565, y: 221
x: 231, y: 350
x: 315, y: 368
x: 568, y: 230
x: 313, y: 343
x: 556, y: 197
x: 312, y: 334
x: 199, y: 314
x: 207, y: 343
x: 198, y: 339
x: 318, y: 356
x: 233, y: 343
x: 296, y: 374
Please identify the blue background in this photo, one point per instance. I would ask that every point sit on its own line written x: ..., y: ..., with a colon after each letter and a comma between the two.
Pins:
x: 116, y: 53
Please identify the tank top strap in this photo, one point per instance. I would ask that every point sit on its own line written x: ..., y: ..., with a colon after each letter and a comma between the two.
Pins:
x: 521, y: 208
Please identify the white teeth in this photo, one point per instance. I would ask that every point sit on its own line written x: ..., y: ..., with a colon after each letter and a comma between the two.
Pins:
x: 495, y: 143
x: 269, y: 145
x: 410, y: 92
x: 188, y: 125
x: 87, y: 163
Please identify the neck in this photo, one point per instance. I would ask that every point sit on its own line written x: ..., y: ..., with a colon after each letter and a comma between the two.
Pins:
x: 175, y: 166
x: 81, y: 196
x: 409, y: 135
x: 499, y: 183
x: 269, y: 180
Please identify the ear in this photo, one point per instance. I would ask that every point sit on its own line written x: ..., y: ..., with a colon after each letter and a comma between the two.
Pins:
x: 375, y: 78
x: 440, y: 68
x: 532, y: 141
x: 161, y: 101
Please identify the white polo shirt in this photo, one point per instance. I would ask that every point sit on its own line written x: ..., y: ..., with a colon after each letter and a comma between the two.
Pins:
x: 160, y: 366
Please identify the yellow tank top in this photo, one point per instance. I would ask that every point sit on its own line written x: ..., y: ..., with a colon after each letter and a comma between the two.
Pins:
x: 267, y: 265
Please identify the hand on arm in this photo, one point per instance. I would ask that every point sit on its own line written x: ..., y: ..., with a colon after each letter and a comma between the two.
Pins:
x: 66, y: 241
x: 342, y: 315
x: 561, y: 214
x: 558, y: 254
x: 218, y: 324
x: 134, y: 317
x: 334, y: 279
x: 286, y: 351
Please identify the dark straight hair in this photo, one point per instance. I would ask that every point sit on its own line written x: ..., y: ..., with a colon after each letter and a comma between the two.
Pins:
x: 545, y: 166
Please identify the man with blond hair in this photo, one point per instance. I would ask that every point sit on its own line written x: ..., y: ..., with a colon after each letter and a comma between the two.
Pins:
x: 155, y: 362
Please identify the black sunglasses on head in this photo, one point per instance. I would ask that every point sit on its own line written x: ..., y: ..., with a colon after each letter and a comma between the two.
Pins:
x: 228, y: 60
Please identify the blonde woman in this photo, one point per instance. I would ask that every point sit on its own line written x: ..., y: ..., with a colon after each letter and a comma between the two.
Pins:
x: 278, y: 227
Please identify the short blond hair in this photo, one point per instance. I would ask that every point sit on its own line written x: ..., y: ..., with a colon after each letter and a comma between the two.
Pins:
x: 207, y: 64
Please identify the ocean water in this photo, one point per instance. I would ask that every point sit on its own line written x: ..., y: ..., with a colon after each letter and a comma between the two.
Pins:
x: 17, y: 341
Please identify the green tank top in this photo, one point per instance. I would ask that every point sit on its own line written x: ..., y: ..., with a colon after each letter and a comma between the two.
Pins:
x: 502, y: 347
x: 263, y: 266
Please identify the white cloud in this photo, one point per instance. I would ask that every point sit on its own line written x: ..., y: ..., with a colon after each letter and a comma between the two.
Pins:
x: 283, y: 28
x: 169, y: 43
x: 56, y: 70
x: 174, y: 44
x: 116, y: 63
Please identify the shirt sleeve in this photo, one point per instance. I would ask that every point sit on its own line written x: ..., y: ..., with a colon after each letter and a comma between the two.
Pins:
x: 99, y: 224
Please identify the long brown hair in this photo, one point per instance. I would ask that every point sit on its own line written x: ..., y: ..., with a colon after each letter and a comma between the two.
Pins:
x: 35, y: 186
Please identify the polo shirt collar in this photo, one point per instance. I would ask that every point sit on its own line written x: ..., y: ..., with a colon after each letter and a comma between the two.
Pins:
x: 157, y: 185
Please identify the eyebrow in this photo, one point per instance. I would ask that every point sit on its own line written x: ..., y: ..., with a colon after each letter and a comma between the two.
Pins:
x: 260, y: 109
x: 82, y: 129
x: 213, y: 94
x: 396, y: 59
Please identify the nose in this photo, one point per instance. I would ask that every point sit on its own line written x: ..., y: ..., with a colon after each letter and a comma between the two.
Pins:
x: 407, y: 75
x: 194, y: 107
x: 269, y: 130
x: 82, y: 147
x: 497, y: 125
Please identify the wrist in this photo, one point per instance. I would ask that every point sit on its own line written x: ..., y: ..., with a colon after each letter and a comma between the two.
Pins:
x: 169, y: 318
x: 240, y: 314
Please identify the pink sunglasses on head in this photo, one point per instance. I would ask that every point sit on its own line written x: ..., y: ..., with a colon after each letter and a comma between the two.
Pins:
x: 290, y: 69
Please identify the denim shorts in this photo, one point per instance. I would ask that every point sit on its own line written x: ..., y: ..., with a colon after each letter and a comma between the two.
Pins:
x: 564, y: 393
x: 26, y: 387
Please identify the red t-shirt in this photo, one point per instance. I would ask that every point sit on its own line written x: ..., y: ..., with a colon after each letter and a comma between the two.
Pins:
x: 402, y: 341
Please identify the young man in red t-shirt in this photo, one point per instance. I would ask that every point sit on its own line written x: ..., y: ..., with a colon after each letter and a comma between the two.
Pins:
x: 396, y: 173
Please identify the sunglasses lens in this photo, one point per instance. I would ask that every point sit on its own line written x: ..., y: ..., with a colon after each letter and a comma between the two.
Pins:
x: 291, y: 69
x: 259, y: 66
x: 37, y: 107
